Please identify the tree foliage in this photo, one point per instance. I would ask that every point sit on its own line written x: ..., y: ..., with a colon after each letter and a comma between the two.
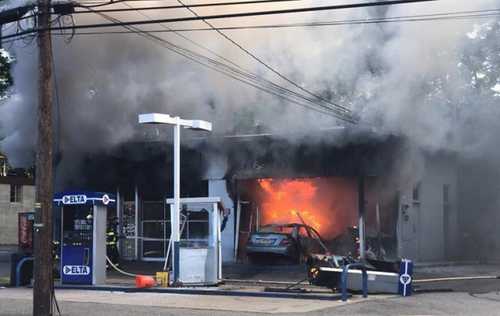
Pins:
x: 6, y: 79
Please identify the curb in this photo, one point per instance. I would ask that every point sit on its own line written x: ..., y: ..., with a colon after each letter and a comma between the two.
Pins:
x: 188, y: 291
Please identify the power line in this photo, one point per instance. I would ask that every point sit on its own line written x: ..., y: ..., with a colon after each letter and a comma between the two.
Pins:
x: 397, y: 19
x: 97, y: 4
x: 165, y: 27
x: 260, y: 61
x: 197, y: 5
x: 238, y: 75
x: 243, y: 71
x: 248, y: 73
x: 242, y: 76
x: 301, y: 25
x: 237, y: 15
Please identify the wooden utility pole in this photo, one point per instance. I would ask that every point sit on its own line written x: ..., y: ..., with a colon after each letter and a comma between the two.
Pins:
x: 43, y: 279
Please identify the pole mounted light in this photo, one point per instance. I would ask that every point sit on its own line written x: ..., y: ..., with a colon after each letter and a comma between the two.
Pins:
x: 157, y: 118
x: 177, y: 122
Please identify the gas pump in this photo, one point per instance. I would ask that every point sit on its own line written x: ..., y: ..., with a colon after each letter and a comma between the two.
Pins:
x: 83, y: 236
x: 198, y: 260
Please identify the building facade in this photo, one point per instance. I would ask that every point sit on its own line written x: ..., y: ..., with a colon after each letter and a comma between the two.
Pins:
x: 409, y: 209
x: 17, y: 194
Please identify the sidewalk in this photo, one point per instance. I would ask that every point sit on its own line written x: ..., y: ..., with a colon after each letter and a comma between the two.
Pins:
x: 186, y: 301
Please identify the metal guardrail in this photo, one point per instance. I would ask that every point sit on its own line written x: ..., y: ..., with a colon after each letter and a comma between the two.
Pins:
x: 18, y: 269
x: 344, y: 276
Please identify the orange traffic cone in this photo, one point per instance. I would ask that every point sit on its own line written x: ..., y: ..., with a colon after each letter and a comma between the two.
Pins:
x: 142, y: 281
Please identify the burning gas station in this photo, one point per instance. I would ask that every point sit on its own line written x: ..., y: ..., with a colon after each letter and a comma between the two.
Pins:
x: 335, y: 211
x: 293, y: 164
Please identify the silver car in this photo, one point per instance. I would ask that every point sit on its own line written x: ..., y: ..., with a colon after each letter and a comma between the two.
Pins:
x: 292, y: 241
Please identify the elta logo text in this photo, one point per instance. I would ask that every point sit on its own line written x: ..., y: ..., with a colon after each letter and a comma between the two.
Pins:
x: 76, y: 270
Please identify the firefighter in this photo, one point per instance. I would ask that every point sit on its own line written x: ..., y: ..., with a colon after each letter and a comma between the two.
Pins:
x: 112, y: 242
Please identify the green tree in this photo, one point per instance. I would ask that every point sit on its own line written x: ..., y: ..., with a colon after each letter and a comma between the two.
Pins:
x: 6, y: 79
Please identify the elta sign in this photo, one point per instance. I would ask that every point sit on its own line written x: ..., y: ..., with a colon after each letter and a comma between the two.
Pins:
x: 76, y: 270
x: 74, y: 199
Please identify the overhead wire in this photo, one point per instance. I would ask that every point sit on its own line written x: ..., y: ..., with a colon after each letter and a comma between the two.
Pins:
x: 390, y: 19
x: 253, y: 76
x: 247, y: 73
x: 238, y: 75
x: 168, y: 28
x: 240, y: 14
x: 400, y: 19
x: 97, y: 5
x: 458, y: 15
x: 167, y: 7
x: 117, y: 22
x: 266, y: 65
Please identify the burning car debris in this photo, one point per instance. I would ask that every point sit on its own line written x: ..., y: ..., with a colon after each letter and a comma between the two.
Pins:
x: 292, y: 241
x: 296, y: 218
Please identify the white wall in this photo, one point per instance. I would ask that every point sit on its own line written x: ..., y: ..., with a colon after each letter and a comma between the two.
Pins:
x: 217, y: 188
x: 431, y: 244
x: 434, y: 244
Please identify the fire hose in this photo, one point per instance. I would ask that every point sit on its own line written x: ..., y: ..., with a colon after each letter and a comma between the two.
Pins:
x: 121, y: 271
x: 133, y: 275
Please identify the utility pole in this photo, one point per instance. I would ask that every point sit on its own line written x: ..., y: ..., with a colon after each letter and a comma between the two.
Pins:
x: 43, y: 280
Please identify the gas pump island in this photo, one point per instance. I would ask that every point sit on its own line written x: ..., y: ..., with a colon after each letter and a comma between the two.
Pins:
x: 83, y: 236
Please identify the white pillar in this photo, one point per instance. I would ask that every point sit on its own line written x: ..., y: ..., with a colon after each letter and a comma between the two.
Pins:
x: 118, y: 218
x: 362, y: 249
x: 136, y: 223
x: 175, y: 214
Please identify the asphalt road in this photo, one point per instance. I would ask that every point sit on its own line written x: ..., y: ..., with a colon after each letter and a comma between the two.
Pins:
x: 472, y: 297
x: 421, y: 304
x: 443, y: 304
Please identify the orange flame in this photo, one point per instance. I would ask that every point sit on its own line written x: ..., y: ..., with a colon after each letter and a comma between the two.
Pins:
x: 326, y: 204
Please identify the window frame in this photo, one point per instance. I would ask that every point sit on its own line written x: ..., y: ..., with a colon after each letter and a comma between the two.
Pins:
x: 16, y: 193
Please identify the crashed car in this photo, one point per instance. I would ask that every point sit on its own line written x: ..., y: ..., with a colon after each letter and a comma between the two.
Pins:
x: 289, y: 241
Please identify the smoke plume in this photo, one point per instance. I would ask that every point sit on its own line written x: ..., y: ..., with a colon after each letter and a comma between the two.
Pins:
x: 427, y: 81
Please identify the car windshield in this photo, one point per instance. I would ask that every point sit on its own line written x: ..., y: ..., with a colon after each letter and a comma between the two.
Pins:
x: 276, y: 229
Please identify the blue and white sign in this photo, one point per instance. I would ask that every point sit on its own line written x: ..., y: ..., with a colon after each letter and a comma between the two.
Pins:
x: 74, y: 199
x: 84, y: 197
x: 76, y: 270
x: 405, y: 277
x: 105, y: 199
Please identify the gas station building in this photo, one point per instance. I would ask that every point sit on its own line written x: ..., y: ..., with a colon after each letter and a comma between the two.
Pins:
x: 417, y: 218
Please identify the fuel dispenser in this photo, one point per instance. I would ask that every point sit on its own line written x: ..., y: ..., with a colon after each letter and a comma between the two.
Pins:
x: 83, y: 236
x: 198, y: 260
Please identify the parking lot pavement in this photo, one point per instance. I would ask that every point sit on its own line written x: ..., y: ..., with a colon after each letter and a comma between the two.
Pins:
x: 84, y: 303
x: 238, y: 304
x: 469, y: 297
x: 426, y: 304
x: 278, y: 272
x: 469, y: 286
x: 457, y: 270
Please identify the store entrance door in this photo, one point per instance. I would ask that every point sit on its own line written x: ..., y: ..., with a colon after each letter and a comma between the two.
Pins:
x: 155, y: 229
